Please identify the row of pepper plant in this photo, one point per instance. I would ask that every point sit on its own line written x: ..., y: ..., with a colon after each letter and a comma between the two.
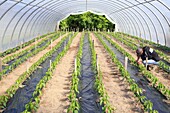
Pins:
x: 148, y: 105
x: 33, y: 105
x: 104, y: 98
x: 9, y: 51
x: 133, y: 46
x: 152, y: 78
x: 144, y: 42
x: 12, y: 90
x: 162, y: 47
x: 15, y: 56
x: 11, y: 67
x: 74, y: 103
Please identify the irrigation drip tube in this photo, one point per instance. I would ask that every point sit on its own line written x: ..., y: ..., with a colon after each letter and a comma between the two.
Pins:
x: 23, y: 95
x: 150, y: 92
x: 87, y: 93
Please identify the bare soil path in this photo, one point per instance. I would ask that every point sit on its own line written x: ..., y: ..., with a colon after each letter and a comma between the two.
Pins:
x: 9, y: 80
x: 118, y: 90
x: 55, y: 94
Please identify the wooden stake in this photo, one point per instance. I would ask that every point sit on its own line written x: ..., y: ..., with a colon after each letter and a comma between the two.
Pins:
x: 97, y: 63
x: 146, y: 62
x: 0, y: 64
x: 126, y: 62
x: 50, y: 65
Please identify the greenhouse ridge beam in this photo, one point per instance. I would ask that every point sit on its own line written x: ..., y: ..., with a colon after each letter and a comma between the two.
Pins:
x: 22, y: 20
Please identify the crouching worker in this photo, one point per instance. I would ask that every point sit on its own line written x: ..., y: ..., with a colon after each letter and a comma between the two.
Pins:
x: 147, y: 52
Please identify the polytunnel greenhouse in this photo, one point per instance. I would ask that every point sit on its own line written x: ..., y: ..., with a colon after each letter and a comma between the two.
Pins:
x: 85, y: 56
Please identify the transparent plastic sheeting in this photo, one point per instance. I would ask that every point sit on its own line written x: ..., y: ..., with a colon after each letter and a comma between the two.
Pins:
x: 22, y: 20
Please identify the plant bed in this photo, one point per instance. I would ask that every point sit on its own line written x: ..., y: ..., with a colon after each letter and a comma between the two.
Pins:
x: 99, y: 86
x: 12, y: 90
x: 32, y: 106
x: 153, y: 44
x: 9, y: 51
x: 154, y: 96
x: 11, y: 58
x: 55, y: 93
x: 162, y: 76
x: 12, y: 77
x: 88, y: 96
x: 117, y: 88
x: 14, y: 63
x: 73, y: 98
x: 150, y: 77
x: 164, y: 52
x: 163, y: 64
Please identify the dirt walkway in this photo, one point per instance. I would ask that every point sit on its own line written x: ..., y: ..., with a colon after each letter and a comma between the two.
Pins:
x: 10, y: 79
x: 54, y: 99
x: 159, y: 73
x: 119, y: 92
x: 26, y: 47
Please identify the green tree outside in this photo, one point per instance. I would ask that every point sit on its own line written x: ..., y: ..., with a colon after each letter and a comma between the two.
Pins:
x: 87, y: 21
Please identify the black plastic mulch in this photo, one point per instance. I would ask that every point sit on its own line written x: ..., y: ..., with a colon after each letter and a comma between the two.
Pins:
x: 23, y: 95
x: 88, y: 96
x: 150, y: 92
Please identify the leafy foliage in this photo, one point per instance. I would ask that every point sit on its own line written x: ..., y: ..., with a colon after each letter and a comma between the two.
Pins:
x: 153, y: 79
x: 130, y: 43
x: 34, y: 103
x: 9, y: 51
x: 74, y: 103
x: 104, y: 98
x: 133, y: 86
x: 11, y: 67
x: 12, y: 90
x: 87, y: 21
